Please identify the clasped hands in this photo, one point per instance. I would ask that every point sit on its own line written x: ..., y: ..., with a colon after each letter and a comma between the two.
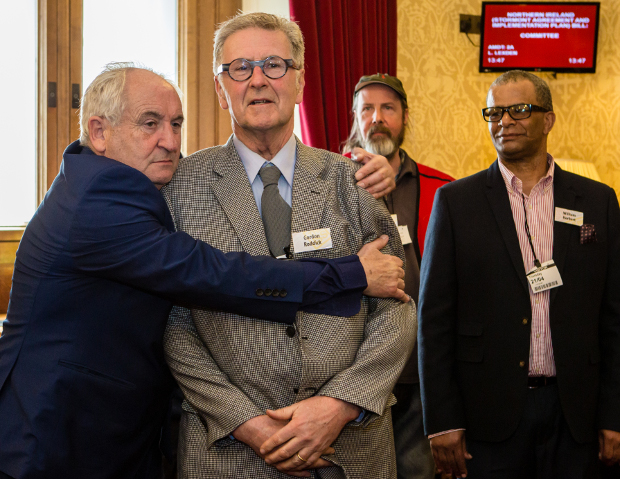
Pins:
x: 292, y: 439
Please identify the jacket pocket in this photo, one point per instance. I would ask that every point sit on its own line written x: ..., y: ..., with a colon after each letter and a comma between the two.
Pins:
x: 470, y: 329
x: 469, y: 345
x: 96, y: 374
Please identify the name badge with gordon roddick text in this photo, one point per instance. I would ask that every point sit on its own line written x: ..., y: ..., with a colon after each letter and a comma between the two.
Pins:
x: 312, y: 240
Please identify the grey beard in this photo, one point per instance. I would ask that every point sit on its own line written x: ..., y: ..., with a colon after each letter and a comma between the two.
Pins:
x: 384, y: 146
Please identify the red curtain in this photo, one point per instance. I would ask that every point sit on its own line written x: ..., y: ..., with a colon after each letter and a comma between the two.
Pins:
x: 345, y: 39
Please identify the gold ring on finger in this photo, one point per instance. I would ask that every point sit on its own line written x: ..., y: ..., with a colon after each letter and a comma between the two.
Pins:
x: 301, y: 458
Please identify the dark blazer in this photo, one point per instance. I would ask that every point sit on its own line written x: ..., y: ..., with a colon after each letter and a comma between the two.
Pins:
x: 475, y: 313
x: 83, y: 381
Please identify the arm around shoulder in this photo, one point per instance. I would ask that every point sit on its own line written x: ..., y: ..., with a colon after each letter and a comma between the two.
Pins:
x: 122, y: 230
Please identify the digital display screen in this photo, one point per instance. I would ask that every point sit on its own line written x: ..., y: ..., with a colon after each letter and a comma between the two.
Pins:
x: 536, y: 36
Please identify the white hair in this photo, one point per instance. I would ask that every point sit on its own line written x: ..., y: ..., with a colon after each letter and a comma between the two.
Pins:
x: 104, y: 96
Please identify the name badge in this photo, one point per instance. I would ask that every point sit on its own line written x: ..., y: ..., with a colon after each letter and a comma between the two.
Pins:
x: 405, y: 238
x: 312, y: 240
x: 569, y: 216
x: 544, y: 278
x: 395, y: 219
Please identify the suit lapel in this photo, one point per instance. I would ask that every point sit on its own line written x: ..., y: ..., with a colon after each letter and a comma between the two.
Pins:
x: 564, y: 196
x: 500, y: 205
x: 309, y: 191
x: 234, y: 193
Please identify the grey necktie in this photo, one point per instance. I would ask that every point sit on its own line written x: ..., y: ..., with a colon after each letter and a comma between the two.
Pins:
x: 276, y: 212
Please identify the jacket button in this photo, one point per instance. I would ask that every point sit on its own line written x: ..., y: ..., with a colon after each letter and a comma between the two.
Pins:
x: 275, y: 293
x: 283, y: 293
x: 296, y: 390
x: 268, y: 292
x: 524, y: 320
x: 522, y: 364
x: 259, y: 292
x: 290, y: 331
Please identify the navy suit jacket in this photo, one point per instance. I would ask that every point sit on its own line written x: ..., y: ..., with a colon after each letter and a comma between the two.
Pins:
x: 83, y: 381
x: 475, y: 312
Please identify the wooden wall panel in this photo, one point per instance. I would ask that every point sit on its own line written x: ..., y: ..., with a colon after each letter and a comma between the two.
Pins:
x: 206, y: 123
x: 9, y: 241
x: 75, y: 66
x: 51, y: 76
x: 63, y: 82
x: 64, y: 67
x: 42, y: 127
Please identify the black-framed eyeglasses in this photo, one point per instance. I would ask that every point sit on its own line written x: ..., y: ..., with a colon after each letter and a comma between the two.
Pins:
x: 241, y: 69
x: 516, y: 112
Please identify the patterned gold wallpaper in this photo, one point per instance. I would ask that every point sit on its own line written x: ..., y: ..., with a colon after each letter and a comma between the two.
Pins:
x: 439, y: 69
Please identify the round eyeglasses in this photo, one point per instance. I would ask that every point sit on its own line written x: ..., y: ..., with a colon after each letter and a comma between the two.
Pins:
x: 241, y: 69
x: 516, y: 112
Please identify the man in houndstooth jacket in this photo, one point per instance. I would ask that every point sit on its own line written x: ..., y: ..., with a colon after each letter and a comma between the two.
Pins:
x: 330, y: 378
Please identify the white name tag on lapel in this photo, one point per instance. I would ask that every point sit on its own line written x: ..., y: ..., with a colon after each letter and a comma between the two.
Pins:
x: 405, y: 238
x: 569, y: 216
x: 312, y: 240
x: 395, y: 219
x: 544, y: 278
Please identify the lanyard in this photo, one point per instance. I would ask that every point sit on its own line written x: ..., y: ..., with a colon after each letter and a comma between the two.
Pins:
x: 529, y: 236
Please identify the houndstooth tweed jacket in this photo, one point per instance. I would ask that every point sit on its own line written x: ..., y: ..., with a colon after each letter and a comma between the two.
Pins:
x: 232, y: 369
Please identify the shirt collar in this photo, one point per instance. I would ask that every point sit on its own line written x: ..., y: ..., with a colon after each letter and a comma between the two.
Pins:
x: 406, y: 166
x: 515, y: 185
x: 284, y: 159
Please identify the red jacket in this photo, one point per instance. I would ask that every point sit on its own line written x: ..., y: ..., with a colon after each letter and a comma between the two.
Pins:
x: 430, y: 180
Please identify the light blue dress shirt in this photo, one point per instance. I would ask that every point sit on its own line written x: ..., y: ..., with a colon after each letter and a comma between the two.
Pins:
x: 284, y: 160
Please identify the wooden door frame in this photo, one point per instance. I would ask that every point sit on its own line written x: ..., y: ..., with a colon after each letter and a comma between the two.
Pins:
x: 206, y: 124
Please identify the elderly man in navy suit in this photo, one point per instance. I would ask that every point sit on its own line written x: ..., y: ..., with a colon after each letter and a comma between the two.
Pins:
x: 519, y: 307
x: 83, y: 381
